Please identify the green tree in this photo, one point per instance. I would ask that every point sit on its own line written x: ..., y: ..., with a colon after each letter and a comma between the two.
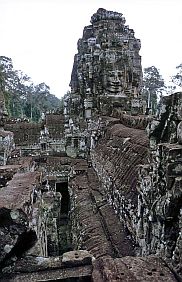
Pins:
x: 22, y: 97
x: 6, y: 69
x: 177, y: 78
x: 153, y: 85
x: 10, y: 84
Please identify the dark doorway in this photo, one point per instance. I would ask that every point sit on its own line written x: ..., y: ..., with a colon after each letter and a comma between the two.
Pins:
x: 65, y: 199
x: 63, y: 222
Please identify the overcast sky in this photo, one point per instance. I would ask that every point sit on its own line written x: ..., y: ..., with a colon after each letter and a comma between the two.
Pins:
x: 41, y: 35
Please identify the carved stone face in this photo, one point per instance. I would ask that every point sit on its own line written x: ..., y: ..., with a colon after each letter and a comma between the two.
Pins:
x: 114, y: 82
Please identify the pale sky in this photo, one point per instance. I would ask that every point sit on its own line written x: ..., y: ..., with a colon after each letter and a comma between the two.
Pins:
x: 41, y: 35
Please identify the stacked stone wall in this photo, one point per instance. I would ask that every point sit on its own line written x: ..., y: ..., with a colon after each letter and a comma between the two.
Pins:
x: 116, y: 159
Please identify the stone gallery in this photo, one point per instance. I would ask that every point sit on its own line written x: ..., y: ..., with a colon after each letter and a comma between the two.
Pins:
x: 94, y: 194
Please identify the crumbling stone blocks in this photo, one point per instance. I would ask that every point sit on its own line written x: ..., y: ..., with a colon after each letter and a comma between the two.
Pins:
x: 160, y: 189
x: 74, y: 258
x: 16, y: 201
x: 132, y: 269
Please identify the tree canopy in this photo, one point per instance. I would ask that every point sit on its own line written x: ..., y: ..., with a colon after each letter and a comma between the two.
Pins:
x: 177, y: 78
x: 153, y: 85
x: 22, y: 97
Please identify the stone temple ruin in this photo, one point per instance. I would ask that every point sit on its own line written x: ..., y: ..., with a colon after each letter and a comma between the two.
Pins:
x: 94, y: 194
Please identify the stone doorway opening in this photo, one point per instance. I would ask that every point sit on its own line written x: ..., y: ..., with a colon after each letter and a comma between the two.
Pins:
x: 63, y: 222
x: 62, y: 187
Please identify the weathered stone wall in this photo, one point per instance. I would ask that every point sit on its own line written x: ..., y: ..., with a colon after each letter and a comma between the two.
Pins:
x: 116, y: 159
x: 160, y: 186
x: 29, y: 213
x: 132, y: 269
x: 16, y: 202
x: 55, y: 125
x: 144, y: 184
x: 25, y: 133
x: 95, y: 226
x: 6, y: 145
x: 52, y: 220
x: 47, y: 135
x: 52, y: 133
x: 46, y: 211
x: 138, y: 122
x: 55, y: 168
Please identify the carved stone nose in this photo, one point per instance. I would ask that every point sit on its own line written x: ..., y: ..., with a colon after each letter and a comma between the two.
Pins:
x: 116, y: 79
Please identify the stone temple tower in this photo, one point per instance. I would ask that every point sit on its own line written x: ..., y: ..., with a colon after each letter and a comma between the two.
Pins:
x: 107, y: 72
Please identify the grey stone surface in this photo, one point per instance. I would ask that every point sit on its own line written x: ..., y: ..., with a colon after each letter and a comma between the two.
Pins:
x: 75, y: 258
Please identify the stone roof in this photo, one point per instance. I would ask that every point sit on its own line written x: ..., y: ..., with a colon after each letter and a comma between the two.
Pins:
x: 132, y: 269
x: 18, y: 190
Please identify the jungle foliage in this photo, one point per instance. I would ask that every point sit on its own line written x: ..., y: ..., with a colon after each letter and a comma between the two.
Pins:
x: 23, y: 98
